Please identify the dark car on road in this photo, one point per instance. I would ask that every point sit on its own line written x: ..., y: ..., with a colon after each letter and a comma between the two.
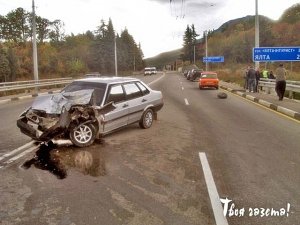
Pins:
x: 195, y: 74
x: 90, y: 108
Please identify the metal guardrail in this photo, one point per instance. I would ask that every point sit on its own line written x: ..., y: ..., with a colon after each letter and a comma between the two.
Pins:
x: 32, y: 81
x: 21, y: 85
x: 269, y: 85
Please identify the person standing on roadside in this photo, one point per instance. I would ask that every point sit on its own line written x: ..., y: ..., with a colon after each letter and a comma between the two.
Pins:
x: 251, y: 79
x: 280, y: 74
x: 271, y: 75
x: 257, y: 76
x: 246, y: 78
x: 265, y: 74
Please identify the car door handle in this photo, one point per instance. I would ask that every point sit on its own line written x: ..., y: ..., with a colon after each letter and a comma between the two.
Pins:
x: 125, y: 105
x: 144, y: 100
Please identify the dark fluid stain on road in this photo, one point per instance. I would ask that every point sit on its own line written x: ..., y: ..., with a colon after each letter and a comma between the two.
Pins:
x: 59, y: 160
x: 43, y: 160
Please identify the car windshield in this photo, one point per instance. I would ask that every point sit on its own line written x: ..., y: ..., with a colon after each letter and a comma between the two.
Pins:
x: 209, y: 76
x: 99, y: 89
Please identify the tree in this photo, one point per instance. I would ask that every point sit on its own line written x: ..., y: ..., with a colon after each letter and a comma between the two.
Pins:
x: 3, y: 27
x: 42, y: 28
x: 4, y: 66
x: 129, y: 49
x: 109, y: 43
x: 101, y: 30
x: 189, y: 43
x: 101, y: 57
x: 57, y: 33
x: 15, y: 26
x: 13, y: 63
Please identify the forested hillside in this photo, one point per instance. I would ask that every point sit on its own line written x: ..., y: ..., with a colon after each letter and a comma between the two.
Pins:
x: 61, y: 55
x: 235, y: 39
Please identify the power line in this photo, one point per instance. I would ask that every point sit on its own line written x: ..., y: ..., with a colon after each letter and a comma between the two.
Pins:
x: 178, y: 9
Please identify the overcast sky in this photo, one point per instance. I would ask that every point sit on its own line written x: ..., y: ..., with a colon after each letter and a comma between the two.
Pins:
x: 157, y: 24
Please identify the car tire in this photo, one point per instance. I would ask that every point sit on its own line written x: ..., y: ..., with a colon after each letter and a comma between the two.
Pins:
x: 200, y: 87
x: 83, y: 135
x: 217, y: 87
x: 147, y: 119
x: 222, y: 95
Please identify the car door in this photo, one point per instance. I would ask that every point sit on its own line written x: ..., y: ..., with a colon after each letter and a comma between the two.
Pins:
x: 136, y: 100
x: 119, y: 116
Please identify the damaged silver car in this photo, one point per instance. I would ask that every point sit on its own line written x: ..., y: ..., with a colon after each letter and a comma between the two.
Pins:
x: 90, y: 108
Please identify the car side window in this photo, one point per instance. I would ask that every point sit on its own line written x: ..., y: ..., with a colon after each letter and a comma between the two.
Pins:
x: 132, y: 91
x: 143, y: 88
x: 116, y: 94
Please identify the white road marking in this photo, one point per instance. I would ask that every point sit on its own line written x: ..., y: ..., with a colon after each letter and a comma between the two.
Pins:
x: 21, y: 154
x: 212, y: 191
x: 17, y: 150
x: 152, y: 82
x: 186, y: 101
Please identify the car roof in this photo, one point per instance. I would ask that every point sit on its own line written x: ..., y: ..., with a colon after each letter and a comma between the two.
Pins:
x: 108, y: 80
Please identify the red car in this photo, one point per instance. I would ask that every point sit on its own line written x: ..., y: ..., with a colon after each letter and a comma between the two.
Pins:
x: 209, y: 79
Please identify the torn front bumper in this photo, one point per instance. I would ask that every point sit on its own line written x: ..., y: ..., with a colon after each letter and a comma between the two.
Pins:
x: 41, y: 128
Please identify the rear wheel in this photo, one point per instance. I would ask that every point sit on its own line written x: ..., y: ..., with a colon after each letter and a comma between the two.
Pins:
x: 83, y: 135
x: 147, y: 119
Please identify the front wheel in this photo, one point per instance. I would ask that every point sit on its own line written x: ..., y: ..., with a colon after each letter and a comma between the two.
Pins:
x: 83, y: 135
x: 147, y: 119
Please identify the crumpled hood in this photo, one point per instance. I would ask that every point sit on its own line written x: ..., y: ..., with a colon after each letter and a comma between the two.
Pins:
x: 53, y: 104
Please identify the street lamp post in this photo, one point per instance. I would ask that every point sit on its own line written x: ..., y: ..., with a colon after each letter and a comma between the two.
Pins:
x: 34, y: 47
x: 206, y: 50
x: 256, y: 30
x: 116, y: 59
x: 194, y: 53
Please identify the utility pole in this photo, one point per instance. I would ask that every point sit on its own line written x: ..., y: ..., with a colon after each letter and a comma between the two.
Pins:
x: 34, y: 47
x: 116, y: 58
x: 206, y: 50
x: 256, y: 30
x: 194, y: 54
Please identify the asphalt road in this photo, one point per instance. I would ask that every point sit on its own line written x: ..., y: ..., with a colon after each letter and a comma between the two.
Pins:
x: 155, y: 176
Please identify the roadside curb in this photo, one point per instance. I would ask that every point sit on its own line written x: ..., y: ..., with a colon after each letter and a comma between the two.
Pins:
x: 280, y: 109
x: 13, y: 99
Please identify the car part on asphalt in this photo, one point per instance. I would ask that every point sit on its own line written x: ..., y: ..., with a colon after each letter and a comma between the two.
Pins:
x: 222, y: 95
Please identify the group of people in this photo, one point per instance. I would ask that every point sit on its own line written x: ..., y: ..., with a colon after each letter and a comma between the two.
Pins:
x: 253, y: 76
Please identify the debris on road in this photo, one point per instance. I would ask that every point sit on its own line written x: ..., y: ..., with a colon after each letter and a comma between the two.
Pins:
x: 222, y: 95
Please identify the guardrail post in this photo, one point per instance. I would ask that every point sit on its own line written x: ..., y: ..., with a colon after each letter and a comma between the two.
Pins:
x: 268, y: 90
x: 291, y: 94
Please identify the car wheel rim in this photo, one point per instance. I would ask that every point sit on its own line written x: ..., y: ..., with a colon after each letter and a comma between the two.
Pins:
x: 83, y: 134
x: 148, y: 119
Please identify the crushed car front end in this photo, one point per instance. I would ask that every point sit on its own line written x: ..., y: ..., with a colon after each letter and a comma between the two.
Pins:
x: 64, y: 115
